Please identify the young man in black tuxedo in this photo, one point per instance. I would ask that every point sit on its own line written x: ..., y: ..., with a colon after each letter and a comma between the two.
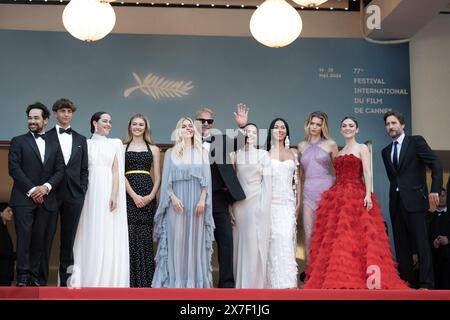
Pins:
x: 73, y: 187
x: 225, y: 187
x: 406, y: 160
x: 37, y: 167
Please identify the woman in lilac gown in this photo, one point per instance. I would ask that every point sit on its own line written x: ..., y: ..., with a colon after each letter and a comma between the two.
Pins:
x: 315, y: 152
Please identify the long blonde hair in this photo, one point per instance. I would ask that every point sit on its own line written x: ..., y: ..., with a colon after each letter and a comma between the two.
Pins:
x: 325, y: 132
x: 147, y: 133
x: 180, y: 146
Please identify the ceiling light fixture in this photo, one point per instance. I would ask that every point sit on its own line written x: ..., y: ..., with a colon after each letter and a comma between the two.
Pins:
x: 275, y: 24
x: 88, y: 20
x: 310, y: 3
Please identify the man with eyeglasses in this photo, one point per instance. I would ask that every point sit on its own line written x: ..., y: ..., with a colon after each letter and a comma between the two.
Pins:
x: 225, y: 185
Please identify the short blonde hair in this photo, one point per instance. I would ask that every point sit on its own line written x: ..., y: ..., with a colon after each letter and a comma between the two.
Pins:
x: 203, y: 110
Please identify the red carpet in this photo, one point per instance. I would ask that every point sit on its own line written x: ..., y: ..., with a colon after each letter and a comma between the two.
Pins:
x: 54, y: 293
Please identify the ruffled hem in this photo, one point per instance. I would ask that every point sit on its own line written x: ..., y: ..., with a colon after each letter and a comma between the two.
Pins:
x: 161, y: 277
x: 347, y: 240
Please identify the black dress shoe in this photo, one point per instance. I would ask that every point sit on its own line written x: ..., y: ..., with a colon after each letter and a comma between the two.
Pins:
x: 21, y: 284
x: 33, y: 283
x: 302, y: 276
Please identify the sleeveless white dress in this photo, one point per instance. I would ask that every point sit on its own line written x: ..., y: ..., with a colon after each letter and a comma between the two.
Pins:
x: 282, y: 266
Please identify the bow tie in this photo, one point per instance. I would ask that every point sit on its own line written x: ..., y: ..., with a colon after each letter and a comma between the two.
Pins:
x: 37, y: 135
x: 208, y: 139
x: 68, y: 130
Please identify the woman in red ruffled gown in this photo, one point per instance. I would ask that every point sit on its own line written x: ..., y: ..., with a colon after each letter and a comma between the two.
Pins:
x: 350, y: 248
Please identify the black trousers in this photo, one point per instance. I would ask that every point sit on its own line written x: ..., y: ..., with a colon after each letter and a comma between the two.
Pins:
x: 411, y: 237
x: 441, y: 261
x: 223, y: 235
x: 31, y: 224
x: 69, y: 213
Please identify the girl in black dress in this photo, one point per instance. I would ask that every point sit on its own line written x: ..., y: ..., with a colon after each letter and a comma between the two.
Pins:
x: 141, y: 161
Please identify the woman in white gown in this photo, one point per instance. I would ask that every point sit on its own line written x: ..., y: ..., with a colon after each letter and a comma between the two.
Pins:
x: 101, y: 254
x: 282, y: 265
x: 251, y: 216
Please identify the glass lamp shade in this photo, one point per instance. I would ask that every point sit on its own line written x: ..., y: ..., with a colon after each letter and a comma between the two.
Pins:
x: 275, y: 24
x: 88, y: 20
x: 310, y: 3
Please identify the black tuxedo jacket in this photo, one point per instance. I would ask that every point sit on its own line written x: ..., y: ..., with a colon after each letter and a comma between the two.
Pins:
x: 219, y: 154
x: 410, y: 178
x: 75, y: 181
x: 28, y: 171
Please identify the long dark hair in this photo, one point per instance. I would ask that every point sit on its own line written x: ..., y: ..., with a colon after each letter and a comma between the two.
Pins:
x: 269, y: 134
x: 95, y: 117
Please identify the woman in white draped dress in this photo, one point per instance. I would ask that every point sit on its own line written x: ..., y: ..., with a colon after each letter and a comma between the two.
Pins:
x: 251, y: 216
x: 101, y: 248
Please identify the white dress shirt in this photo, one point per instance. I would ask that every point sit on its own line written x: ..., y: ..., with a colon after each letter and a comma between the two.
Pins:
x: 41, y: 146
x: 399, y: 147
x: 65, y: 141
x: 207, y: 145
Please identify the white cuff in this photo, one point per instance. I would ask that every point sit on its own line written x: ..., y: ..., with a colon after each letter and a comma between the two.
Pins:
x: 31, y: 191
x: 49, y: 186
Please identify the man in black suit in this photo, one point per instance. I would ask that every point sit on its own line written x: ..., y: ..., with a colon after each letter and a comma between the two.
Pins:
x: 7, y: 255
x: 37, y: 167
x: 71, y: 191
x: 226, y: 188
x: 439, y: 239
x: 405, y: 160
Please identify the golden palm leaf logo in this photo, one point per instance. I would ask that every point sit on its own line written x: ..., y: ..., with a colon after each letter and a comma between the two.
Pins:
x: 159, y: 87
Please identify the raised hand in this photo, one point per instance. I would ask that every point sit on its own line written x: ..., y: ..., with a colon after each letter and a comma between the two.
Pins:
x: 241, y: 115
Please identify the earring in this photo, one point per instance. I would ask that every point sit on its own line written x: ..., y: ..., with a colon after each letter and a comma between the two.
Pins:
x: 287, y: 142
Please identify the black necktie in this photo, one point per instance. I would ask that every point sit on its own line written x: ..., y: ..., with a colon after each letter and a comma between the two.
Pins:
x: 395, y: 156
x: 68, y: 130
x: 37, y: 135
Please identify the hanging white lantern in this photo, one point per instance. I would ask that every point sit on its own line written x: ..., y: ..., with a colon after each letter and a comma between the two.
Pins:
x: 88, y: 20
x: 275, y: 23
x: 310, y: 3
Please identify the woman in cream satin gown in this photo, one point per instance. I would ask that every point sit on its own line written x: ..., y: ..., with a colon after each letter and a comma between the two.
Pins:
x: 251, y: 216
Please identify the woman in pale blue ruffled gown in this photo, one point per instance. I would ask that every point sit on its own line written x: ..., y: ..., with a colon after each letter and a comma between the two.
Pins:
x: 184, y: 224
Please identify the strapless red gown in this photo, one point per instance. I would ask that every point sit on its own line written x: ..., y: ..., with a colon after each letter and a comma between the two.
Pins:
x: 347, y: 238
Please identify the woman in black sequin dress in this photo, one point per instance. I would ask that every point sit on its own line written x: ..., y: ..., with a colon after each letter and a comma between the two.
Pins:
x: 141, y: 158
